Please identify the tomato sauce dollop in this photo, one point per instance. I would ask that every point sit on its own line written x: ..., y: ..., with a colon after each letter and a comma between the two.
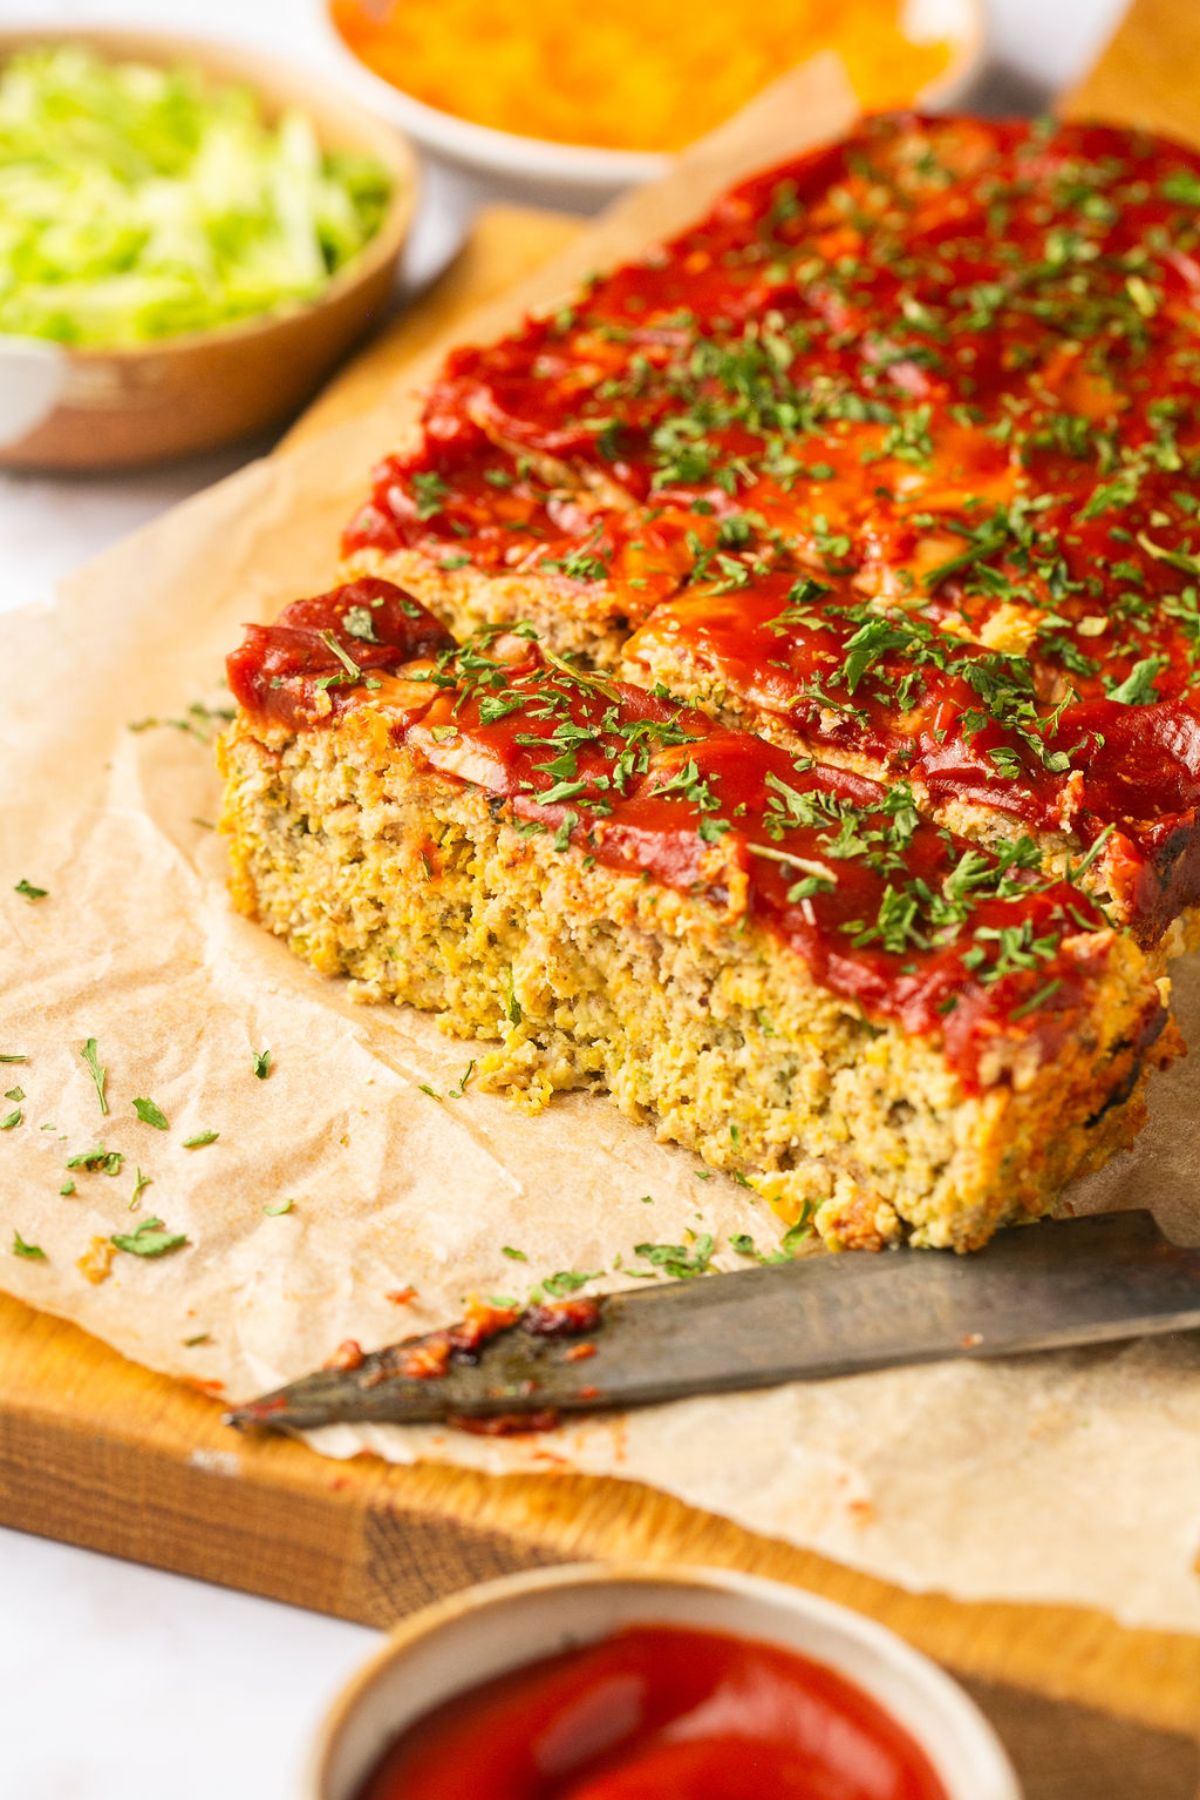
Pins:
x: 659, y: 1713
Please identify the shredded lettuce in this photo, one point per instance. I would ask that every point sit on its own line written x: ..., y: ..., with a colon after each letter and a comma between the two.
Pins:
x: 138, y: 203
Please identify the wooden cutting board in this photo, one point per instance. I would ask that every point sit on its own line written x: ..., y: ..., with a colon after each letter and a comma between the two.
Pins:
x: 99, y: 1452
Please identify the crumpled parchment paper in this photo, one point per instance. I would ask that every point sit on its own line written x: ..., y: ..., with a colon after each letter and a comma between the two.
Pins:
x: 1067, y: 1477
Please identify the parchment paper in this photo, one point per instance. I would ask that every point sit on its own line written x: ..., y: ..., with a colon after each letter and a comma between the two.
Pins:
x: 1070, y: 1477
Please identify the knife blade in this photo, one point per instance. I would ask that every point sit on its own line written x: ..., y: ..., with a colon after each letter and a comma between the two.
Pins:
x: 1062, y: 1283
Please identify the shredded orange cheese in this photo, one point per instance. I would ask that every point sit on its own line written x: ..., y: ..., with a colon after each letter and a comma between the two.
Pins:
x: 628, y: 74
x: 96, y: 1262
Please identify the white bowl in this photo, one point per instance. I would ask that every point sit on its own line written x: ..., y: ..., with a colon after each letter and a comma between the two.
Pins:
x: 585, y: 176
x: 486, y: 1631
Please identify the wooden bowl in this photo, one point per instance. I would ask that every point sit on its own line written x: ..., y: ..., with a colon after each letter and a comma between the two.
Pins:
x: 94, y: 409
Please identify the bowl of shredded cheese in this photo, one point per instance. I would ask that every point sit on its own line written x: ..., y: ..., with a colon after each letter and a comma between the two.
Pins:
x: 581, y: 101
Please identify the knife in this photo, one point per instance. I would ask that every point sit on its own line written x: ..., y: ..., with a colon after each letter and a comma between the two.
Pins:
x: 1073, y: 1281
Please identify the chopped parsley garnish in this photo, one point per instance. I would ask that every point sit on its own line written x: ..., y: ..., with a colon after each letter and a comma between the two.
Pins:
x: 353, y: 672
x: 1035, y: 1000
x: 743, y: 1245
x: 1177, y: 559
x: 98, y: 1161
x: 512, y: 1006
x: 678, y: 1261
x: 91, y: 1057
x: 27, y: 889
x: 201, y: 722
x: 1094, y: 851
x: 430, y: 490
x: 262, y: 1064
x: 31, y: 1252
x: 150, y: 1239
x: 1138, y: 687
x: 568, y: 1281
x: 580, y: 565
x: 200, y: 1139
x: 150, y: 1114
x: 456, y: 1093
x: 358, y: 623
x: 800, y: 1232
x: 1182, y: 186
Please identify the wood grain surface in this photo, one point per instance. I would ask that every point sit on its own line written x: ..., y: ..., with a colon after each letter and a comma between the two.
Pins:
x: 1150, y: 72
x: 97, y: 1451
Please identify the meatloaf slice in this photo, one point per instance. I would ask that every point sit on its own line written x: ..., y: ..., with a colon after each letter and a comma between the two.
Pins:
x: 777, y: 963
x: 989, y: 747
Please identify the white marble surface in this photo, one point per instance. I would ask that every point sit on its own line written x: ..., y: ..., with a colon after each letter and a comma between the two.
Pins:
x: 120, y: 1683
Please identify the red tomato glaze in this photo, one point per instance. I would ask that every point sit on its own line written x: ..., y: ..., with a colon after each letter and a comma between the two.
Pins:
x: 943, y: 373
x: 645, y: 785
x: 660, y: 1713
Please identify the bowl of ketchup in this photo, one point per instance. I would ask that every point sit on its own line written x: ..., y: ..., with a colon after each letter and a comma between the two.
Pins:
x: 585, y: 1683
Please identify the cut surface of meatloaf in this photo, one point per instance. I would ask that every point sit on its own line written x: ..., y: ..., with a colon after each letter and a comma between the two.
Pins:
x: 881, y: 1027
x: 942, y: 381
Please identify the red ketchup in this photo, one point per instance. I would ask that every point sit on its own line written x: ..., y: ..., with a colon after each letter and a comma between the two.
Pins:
x: 659, y: 1713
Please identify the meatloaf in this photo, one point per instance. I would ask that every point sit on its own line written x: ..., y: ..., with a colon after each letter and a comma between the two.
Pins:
x: 787, y: 716
x: 883, y: 1028
x: 893, y: 457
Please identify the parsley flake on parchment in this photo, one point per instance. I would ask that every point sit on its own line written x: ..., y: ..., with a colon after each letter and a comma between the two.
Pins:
x: 91, y: 1056
x: 150, y: 1239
